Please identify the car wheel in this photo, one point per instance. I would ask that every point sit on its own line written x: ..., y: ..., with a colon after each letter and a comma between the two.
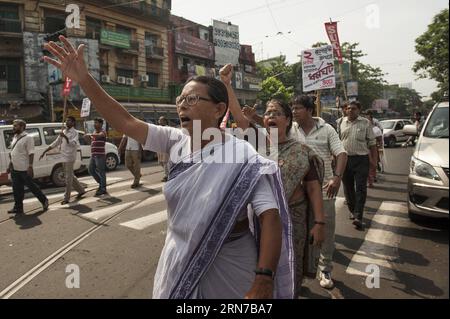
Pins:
x: 392, y: 142
x: 111, y: 162
x: 58, y: 176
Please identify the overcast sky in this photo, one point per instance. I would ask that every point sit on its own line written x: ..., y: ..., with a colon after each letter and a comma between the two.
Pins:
x: 385, y: 29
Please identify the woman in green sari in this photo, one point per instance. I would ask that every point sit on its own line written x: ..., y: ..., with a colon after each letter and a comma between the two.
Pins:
x: 301, y: 174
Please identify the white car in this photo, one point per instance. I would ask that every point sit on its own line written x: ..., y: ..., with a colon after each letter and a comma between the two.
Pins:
x: 393, y: 131
x: 50, y: 167
x: 428, y: 180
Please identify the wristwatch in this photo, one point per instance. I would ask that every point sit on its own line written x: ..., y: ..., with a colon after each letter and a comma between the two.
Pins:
x: 265, y: 272
x: 337, y: 175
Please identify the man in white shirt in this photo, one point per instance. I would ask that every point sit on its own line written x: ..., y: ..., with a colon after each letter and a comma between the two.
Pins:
x: 323, y: 139
x: 133, y: 152
x: 21, y: 168
x: 69, y: 145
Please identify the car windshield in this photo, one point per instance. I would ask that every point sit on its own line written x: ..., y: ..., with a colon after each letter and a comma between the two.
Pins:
x: 387, y: 125
x: 437, y: 126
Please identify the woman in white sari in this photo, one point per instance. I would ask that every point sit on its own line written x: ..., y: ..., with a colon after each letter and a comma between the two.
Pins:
x: 211, y: 249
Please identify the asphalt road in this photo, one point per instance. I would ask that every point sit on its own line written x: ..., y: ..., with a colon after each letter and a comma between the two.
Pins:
x: 114, y: 243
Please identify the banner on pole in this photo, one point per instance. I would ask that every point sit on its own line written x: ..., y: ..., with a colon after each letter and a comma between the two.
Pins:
x: 67, y: 87
x: 331, y: 28
x: 85, y: 108
x: 352, y: 88
x: 318, y: 69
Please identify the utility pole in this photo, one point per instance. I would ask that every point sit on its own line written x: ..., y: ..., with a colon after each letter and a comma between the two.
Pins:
x: 50, y: 103
x: 351, y: 64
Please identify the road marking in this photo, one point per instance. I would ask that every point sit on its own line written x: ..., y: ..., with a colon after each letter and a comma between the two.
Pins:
x: 381, y: 243
x: 109, y: 188
x: 89, y: 180
x: 147, y: 221
x: 39, y: 268
x: 106, y: 212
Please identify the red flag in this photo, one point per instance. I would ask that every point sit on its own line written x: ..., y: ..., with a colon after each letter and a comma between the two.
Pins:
x: 67, y: 87
x: 331, y: 28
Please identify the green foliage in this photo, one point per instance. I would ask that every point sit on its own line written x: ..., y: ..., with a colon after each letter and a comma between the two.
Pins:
x: 407, y: 101
x: 274, y: 88
x: 289, y: 74
x: 433, y: 47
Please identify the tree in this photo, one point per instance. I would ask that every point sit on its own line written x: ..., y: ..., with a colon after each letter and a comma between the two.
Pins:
x: 433, y: 47
x: 274, y: 88
x: 289, y: 74
x: 370, y: 79
x: 406, y: 102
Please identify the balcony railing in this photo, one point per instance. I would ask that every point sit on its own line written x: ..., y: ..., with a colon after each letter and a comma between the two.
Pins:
x: 154, y: 52
x: 10, y: 25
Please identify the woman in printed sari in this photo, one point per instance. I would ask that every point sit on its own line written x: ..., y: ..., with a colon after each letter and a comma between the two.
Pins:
x: 229, y: 232
x: 302, y: 174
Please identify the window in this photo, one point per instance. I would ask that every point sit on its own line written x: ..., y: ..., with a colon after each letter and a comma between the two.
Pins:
x: 93, y: 28
x: 398, y: 126
x: 54, y: 21
x: 125, y: 73
x: 10, y: 76
x: 9, y: 18
x: 153, y: 79
x: 9, y: 11
x: 437, y: 126
x: 123, y: 30
x: 151, y: 40
x: 51, y: 134
x: 8, y: 136
x: 34, y: 133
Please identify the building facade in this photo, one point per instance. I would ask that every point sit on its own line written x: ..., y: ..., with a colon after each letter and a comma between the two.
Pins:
x: 191, y: 51
x: 127, y: 52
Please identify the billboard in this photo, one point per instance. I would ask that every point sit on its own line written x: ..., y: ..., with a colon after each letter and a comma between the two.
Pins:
x: 352, y: 88
x: 189, y: 45
x: 318, y: 69
x: 226, y: 43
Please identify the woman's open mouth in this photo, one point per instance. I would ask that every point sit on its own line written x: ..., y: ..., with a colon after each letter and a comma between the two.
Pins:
x: 184, y: 120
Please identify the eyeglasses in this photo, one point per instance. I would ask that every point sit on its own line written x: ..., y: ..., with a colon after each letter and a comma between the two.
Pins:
x: 191, y: 99
x: 273, y: 114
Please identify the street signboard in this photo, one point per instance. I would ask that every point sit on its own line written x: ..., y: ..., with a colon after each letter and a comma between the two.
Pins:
x: 318, y: 69
x: 85, y: 108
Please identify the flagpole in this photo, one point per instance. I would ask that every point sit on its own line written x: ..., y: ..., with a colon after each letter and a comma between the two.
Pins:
x: 343, y: 83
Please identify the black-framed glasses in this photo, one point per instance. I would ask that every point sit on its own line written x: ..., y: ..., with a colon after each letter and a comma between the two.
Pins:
x: 191, y: 99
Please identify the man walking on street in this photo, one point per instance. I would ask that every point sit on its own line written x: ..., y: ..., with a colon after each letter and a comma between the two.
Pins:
x: 323, y: 139
x: 69, y: 145
x: 21, y: 168
x: 97, y: 166
x: 359, y: 141
x: 133, y: 152
x: 163, y: 158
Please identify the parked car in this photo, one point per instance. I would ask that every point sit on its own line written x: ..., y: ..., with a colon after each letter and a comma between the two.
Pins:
x: 50, y: 167
x: 429, y: 168
x: 393, y: 131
